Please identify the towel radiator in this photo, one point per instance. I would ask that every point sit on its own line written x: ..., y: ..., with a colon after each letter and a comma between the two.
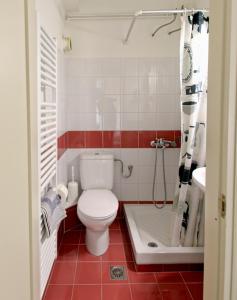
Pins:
x: 47, y: 140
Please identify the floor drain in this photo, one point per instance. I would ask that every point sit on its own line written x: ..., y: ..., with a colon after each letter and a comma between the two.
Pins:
x: 152, y: 244
x: 117, y: 273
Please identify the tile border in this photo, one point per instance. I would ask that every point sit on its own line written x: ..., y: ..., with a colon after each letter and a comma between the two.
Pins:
x: 113, y: 139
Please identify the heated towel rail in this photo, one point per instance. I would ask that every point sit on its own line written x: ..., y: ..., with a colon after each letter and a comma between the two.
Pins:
x: 47, y: 139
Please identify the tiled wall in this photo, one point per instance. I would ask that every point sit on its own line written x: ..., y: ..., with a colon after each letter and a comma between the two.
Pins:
x: 122, y: 94
x: 139, y: 185
x: 118, y: 106
x: 62, y: 105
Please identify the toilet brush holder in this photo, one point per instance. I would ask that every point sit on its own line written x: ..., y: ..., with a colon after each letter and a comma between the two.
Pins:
x: 72, y: 189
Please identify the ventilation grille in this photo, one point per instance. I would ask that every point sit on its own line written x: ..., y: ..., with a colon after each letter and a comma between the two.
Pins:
x: 47, y: 139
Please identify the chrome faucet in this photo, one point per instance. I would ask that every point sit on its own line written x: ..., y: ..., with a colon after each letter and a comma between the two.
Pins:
x: 163, y: 143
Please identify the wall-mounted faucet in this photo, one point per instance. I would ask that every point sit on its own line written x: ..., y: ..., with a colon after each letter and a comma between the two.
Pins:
x: 163, y: 143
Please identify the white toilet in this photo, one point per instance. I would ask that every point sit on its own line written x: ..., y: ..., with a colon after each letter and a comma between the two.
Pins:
x: 97, y: 206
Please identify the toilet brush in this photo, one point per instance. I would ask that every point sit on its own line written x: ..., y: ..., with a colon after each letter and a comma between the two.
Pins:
x: 72, y: 189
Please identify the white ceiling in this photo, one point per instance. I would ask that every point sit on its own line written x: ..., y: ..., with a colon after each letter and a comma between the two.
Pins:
x: 100, y: 6
x: 71, y: 5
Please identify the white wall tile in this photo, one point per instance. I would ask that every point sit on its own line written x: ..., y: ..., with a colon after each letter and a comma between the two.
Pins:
x: 165, y: 121
x: 62, y: 115
x: 130, y: 85
x: 129, y: 67
x: 92, y: 67
x: 123, y: 94
x: 170, y: 191
x: 147, y: 85
x: 166, y: 103
x: 84, y: 103
x: 71, y: 84
x: 117, y: 172
x: 74, y: 66
x: 111, y: 121
x: 159, y: 192
x: 167, y: 85
x: 112, y: 85
x: 62, y: 169
x: 167, y: 66
x: 171, y: 174
x: 111, y: 103
x: 129, y: 191
x: 115, y: 151
x: 177, y: 121
x: 130, y: 103
x: 73, y: 121
x: 139, y: 187
x: 172, y: 157
x: 111, y: 66
x: 133, y: 178
x: 88, y: 85
x: 146, y: 174
x: 129, y: 121
x: 177, y: 103
x: 145, y: 192
x: 147, y: 67
x: 164, y: 85
x: 84, y: 121
x: 73, y: 104
x: 147, y: 121
x: 117, y: 190
x: 147, y: 103
x: 129, y: 156
x: 146, y: 157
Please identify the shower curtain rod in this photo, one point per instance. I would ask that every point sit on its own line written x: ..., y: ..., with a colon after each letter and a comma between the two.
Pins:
x: 121, y: 15
x: 158, y: 13
x: 140, y: 13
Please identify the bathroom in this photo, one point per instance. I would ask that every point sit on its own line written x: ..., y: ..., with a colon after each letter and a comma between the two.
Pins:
x: 117, y: 160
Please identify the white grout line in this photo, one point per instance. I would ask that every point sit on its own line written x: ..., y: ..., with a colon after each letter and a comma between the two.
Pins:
x: 75, y: 272
x: 185, y: 283
x: 129, y: 281
x: 113, y: 283
x: 158, y: 286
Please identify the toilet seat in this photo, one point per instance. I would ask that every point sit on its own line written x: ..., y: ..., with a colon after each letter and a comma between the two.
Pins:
x: 97, y: 204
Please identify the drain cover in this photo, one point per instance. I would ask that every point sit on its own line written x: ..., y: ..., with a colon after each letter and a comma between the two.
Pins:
x: 117, y: 273
x: 152, y: 244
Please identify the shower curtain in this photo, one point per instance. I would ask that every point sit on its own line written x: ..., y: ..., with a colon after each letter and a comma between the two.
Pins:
x: 187, y: 229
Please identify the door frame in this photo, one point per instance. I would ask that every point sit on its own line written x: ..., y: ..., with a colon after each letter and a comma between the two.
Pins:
x: 31, y: 70
x: 220, y: 234
x: 221, y: 153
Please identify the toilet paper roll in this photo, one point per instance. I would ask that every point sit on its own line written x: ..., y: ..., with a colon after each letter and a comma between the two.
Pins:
x: 62, y: 191
x: 72, y: 191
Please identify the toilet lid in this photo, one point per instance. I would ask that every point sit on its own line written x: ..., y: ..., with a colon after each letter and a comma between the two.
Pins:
x: 98, y: 203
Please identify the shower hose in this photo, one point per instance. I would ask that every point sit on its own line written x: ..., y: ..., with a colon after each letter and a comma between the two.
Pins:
x: 164, y: 177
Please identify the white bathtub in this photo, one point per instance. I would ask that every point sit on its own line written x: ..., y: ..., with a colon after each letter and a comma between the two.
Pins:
x: 148, y: 224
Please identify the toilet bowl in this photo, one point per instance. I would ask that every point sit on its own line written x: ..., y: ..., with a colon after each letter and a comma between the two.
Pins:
x: 97, y: 206
x: 97, y: 209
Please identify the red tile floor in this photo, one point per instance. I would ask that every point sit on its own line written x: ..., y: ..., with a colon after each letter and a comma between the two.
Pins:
x: 78, y: 275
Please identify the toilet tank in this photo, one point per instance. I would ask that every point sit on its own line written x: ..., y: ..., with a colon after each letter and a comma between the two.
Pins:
x: 96, y: 171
